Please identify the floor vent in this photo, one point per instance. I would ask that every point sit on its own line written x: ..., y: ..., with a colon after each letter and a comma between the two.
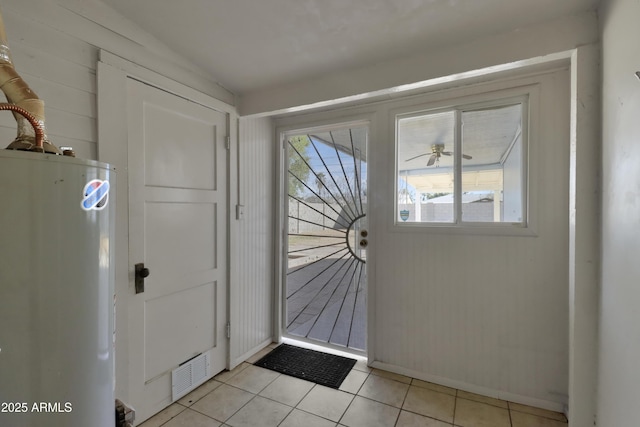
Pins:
x: 190, y: 375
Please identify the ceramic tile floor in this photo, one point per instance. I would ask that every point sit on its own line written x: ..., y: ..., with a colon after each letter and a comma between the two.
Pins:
x: 250, y: 396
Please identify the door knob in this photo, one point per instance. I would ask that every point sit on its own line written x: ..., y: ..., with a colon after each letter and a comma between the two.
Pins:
x: 141, y: 273
x: 363, y: 243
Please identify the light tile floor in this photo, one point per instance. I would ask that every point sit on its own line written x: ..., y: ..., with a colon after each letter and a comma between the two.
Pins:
x: 250, y: 396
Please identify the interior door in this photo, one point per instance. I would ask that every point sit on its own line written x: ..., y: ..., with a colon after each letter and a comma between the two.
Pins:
x: 178, y: 229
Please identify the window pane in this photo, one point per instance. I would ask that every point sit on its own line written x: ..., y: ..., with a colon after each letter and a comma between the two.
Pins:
x: 492, y: 165
x: 425, y: 167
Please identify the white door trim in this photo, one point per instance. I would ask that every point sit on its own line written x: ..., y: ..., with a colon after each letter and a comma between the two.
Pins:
x: 112, y: 73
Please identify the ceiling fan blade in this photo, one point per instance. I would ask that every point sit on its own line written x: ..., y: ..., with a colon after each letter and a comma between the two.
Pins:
x: 432, y: 160
x: 421, y: 155
x: 449, y: 153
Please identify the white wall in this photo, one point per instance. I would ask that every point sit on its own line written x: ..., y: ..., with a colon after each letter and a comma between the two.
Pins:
x: 619, y: 373
x: 252, y: 310
x: 55, y: 47
x: 584, y: 233
x: 484, y: 313
x: 60, y: 69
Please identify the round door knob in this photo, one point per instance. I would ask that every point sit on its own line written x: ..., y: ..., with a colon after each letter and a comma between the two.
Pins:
x: 141, y: 272
x: 364, y: 243
x: 364, y: 233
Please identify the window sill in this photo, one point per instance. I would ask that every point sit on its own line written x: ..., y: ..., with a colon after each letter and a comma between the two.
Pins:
x: 484, y: 229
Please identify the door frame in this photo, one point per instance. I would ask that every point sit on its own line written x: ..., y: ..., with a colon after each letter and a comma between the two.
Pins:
x: 112, y: 74
x: 317, y: 121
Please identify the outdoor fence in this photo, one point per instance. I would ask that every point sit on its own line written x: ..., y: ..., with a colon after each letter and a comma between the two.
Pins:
x: 443, y: 212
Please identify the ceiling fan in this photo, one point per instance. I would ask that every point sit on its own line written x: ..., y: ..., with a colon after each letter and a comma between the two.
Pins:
x: 437, y: 150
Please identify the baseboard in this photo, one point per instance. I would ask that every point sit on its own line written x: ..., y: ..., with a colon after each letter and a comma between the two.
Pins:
x: 242, y: 358
x: 472, y: 388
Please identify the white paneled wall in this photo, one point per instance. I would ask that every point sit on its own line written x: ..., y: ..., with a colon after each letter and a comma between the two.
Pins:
x: 55, y: 46
x: 486, y: 313
x: 61, y: 70
x: 253, y: 317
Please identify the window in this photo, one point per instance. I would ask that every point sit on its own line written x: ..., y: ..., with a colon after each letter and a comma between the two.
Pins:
x: 464, y: 165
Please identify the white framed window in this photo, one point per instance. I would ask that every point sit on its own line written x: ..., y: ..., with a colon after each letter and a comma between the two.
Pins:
x: 465, y: 165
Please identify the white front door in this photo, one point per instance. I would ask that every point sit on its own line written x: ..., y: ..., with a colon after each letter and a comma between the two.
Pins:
x: 178, y: 229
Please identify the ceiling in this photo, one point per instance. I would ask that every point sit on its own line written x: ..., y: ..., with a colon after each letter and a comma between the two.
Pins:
x: 487, y: 136
x: 251, y: 45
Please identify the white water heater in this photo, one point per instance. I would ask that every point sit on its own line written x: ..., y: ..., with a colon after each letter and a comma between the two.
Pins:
x: 56, y: 291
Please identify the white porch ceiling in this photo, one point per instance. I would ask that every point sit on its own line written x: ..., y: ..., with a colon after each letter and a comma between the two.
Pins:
x: 251, y: 45
x: 486, y: 138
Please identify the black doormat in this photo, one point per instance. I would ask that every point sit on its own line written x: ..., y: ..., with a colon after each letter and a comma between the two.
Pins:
x: 321, y: 368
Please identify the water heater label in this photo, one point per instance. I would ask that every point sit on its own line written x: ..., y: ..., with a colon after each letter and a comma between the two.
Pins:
x: 96, y: 195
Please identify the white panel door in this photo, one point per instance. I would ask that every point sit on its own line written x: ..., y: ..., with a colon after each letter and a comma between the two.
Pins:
x: 178, y: 229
